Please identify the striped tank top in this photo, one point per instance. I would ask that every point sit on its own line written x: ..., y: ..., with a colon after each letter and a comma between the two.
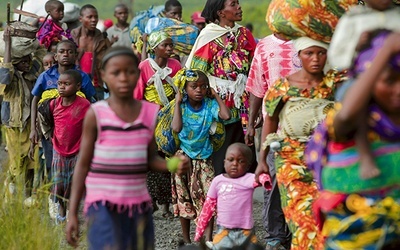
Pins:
x: 118, y: 171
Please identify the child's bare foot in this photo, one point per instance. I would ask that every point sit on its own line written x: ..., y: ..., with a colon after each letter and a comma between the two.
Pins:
x: 368, y: 169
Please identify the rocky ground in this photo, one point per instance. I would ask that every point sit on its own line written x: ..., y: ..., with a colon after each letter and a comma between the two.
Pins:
x: 168, y: 231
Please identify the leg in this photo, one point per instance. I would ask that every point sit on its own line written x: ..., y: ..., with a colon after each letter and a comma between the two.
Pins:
x: 185, y: 224
x: 48, y: 156
x: 209, y: 230
x: 368, y: 168
x: 278, y: 235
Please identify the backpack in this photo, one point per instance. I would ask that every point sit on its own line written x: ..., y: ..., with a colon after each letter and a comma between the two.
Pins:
x: 45, y: 117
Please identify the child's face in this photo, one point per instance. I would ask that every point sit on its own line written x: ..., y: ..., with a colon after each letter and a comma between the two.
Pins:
x: 57, y: 12
x: 387, y: 92
x: 121, y: 14
x: 175, y: 12
x: 48, y: 61
x: 24, y: 65
x: 121, y: 74
x: 196, y: 91
x: 235, y: 162
x: 67, y: 86
x: 66, y: 54
x: 89, y: 18
x: 380, y: 5
x: 165, y: 49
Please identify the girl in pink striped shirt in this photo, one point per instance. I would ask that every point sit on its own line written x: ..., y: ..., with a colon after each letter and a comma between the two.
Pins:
x: 117, y: 150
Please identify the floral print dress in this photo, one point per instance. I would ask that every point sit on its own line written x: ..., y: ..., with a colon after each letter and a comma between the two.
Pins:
x: 302, y: 111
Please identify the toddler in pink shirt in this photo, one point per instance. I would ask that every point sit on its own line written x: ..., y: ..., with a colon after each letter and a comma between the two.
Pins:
x: 231, y: 193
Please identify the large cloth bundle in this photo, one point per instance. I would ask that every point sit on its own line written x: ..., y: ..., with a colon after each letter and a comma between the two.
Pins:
x: 182, y: 34
x: 138, y: 23
x: 316, y: 19
x: 23, y: 40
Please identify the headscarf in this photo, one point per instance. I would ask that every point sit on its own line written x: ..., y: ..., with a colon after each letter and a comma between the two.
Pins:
x: 304, y: 42
x: 156, y: 38
x: 186, y: 75
x: 364, y: 58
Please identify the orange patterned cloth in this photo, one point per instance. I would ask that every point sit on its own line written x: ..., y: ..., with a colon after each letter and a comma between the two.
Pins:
x: 316, y: 19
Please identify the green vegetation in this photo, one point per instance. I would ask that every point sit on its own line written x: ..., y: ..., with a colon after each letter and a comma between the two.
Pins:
x: 253, y: 10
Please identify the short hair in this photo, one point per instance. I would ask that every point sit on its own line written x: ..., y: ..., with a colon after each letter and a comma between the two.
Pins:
x: 51, y: 4
x: 121, y: 5
x: 210, y: 11
x: 85, y: 7
x: 74, y: 74
x: 244, y: 149
x: 171, y: 3
x: 69, y: 42
x: 118, y: 51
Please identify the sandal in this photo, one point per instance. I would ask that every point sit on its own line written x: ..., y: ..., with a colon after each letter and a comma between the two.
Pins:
x: 168, y: 215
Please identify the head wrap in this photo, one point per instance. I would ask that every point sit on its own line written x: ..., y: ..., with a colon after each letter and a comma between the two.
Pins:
x: 306, y: 42
x: 186, y: 75
x: 363, y: 59
x: 156, y: 38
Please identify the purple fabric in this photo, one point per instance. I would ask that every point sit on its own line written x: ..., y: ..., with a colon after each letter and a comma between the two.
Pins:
x: 383, y: 126
x: 364, y: 58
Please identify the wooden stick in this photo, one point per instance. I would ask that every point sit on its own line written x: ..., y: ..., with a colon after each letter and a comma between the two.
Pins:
x: 8, y: 13
x: 22, y: 5
x: 25, y: 13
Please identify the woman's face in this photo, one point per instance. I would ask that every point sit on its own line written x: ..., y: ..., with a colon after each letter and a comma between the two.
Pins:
x: 165, y: 49
x: 386, y: 92
x: 232, y: 11
x: 313, y: 59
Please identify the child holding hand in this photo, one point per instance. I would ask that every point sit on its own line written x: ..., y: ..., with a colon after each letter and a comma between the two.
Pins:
x: 117, y: 150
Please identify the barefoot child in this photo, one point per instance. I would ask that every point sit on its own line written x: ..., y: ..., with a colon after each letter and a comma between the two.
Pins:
x: 68, y: 113
x: 196, y: 108
x: 117, y: 200
x: 155, y: 85
x: 52, y: 30
x: 232, y: 193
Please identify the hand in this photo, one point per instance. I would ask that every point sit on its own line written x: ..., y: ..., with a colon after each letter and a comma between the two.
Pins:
x: 184, y: 165
x: 7, y: 35
x: 114, y: 39
x: 212, y: 92
x: 249, y: 136
x: 31, y: 153
x: 178, y: 97
x: 262, y: 167
x: 72, y: 230
x: 144, y: 37
x: 34, y: 137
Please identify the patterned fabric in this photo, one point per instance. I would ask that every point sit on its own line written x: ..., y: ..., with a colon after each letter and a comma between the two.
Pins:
x: 196, y: 124
x: 145, y: 88
x: 315, y: 19
x: 209, y: 208
x: 50, y: 33
x: 273, y: 58
x: 189, y: 190
x: 167, y: 140
x: 296, y: 184
x: 63, y: 169
x: 226, y: 57
x: 359, y: 213
x: 226, y: 238
x: 119, y: 167
x: 139, y: 22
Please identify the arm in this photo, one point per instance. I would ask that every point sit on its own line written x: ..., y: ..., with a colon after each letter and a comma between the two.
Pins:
x: 7, y: 47
x: 157, y: 163
x: 34, y: 135
x: 270, y: 126
x: 224, y: 112
x: 359, y: 94
x: 144, y: 48
x: 176, y: 124
x: 89, y: 136
x: 255, y: 104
